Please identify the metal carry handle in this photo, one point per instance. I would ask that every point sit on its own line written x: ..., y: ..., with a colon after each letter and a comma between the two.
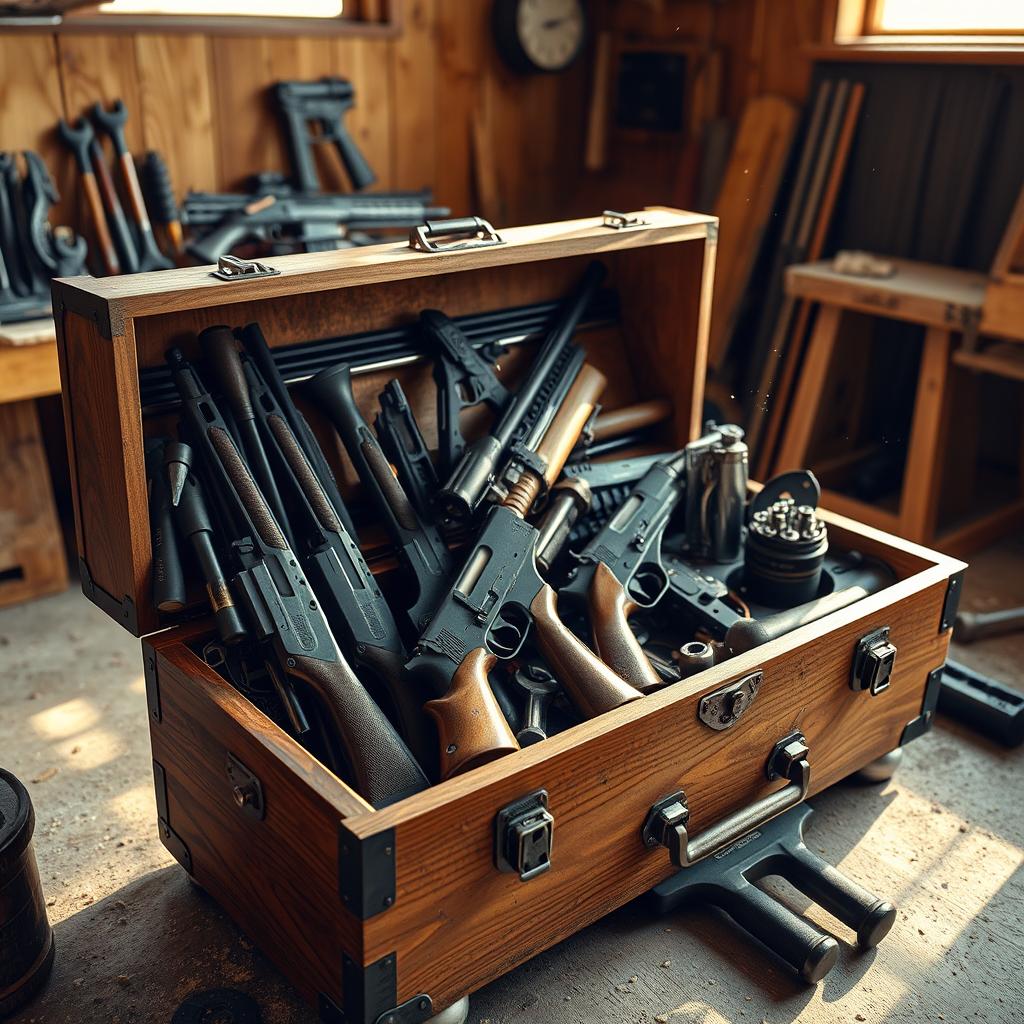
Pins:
x: 454, y: 233
x: 667, y: 818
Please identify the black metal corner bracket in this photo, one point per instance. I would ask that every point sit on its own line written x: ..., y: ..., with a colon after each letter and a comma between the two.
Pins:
x: 949, y: 607
x: 174, y: 843
x: 152, y: 681
x: 366, y: 872
x: 122, y: 610
x: 923, y: 722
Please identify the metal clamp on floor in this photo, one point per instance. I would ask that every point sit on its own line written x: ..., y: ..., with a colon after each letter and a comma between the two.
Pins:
x: 727, y: 881
x: 453, y: 234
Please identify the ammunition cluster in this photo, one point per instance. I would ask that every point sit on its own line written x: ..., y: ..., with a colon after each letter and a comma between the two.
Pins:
x: 788, y: 522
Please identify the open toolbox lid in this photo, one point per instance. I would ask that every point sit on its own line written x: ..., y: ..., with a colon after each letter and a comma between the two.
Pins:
x: 110, y: 330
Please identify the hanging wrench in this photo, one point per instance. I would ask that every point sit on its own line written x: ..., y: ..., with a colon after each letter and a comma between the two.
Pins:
x: 112, y: 122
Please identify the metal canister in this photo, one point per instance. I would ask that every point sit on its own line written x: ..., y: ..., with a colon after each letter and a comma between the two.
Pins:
x: 785, y: 551
x: 730, y: 496
x: 26, y: 939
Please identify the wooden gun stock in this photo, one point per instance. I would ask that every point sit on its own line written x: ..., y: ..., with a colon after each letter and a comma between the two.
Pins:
x: 610, y: 608
x: 470, y: 725
x: 592, y: 685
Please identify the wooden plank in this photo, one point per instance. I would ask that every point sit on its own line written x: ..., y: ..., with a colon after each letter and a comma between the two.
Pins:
x: 921, y: 293
x: 29, y: 371
x: 367, y: 63
x: 922, y: 475
x: 861, y: 511
x: 246, y: 130
x: 414, y: 114
x: 787, y: 346
x: 796, y: 440
x: 1003, y: 360
x: 965, y: 540
x: 744, y: 206
x: 177, y: 107
x: 101, y: 68
x: 1010, y: 254
x: 30, y: 104
x: 595, y: 156
x: 1003, y: 311
x: 27, y: 332
x: 32, y: 561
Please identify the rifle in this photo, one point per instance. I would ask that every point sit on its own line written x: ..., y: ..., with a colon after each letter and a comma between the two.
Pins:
x: 421, y: 547
x: 621, y: 571
x: 476, y: 470
x: 492, y: 605
x: 283, y: 610
x: 314, y: 221
x: 403, y: 444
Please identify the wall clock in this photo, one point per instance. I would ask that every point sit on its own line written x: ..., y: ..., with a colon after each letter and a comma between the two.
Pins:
x: 539, y: 36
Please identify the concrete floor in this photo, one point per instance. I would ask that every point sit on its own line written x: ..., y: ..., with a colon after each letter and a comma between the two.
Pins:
x: 943, y: 841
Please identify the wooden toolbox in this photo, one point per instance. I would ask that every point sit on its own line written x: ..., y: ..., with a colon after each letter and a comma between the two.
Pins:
x: 370, y: 910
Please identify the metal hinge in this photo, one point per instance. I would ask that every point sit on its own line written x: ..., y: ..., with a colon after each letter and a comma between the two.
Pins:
x: 231, y: 268
x: 152, y: 681
x: 174, y: 843
x: 618, y: 221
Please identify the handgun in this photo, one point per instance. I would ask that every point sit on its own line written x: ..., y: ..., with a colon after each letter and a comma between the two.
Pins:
x: 496, y: 600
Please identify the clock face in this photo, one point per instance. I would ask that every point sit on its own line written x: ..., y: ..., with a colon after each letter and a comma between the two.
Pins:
x: 550, y: 32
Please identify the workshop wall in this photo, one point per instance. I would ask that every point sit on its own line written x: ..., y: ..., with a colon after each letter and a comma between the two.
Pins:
x: 435, y: 106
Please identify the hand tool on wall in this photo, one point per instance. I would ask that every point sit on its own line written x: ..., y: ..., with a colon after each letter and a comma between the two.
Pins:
x: 116, y: 219
x: 112, y: 122
x: 159, y: 193
x: 58, y: 251
x: 79, y: 139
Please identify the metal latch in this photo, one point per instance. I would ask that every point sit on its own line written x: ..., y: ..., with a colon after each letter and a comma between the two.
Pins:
x: 618, y: 221
x: 523, y: 836
x: 231, y: 268
x: 873, y: 661
x: 455, y: 233
x: 724, y: 707
x: 246, y: 788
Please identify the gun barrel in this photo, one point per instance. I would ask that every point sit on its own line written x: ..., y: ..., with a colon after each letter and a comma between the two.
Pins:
x: 478, y: 466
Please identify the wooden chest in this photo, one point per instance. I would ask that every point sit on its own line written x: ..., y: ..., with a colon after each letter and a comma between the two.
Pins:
x: 367, y: 910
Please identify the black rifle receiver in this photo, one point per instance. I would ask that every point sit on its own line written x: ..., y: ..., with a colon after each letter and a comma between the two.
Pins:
x: 284, y: 611
x: 479, y: 464
x: 420, y: 545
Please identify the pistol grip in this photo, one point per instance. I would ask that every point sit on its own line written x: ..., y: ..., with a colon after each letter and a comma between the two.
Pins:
x: 470, y: 725
x: 610, y: 608
x: 593, y: 687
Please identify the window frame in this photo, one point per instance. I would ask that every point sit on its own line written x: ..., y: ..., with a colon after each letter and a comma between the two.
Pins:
x: 857, y: 24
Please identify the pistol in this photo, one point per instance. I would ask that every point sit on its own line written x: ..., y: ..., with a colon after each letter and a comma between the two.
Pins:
x: 494, y: 601
x: 621, y: 570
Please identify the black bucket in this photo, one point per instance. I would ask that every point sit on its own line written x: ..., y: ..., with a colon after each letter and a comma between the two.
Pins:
x: 26, y: 939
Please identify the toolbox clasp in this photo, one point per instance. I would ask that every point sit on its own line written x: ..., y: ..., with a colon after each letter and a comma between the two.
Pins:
x: 524, y: 835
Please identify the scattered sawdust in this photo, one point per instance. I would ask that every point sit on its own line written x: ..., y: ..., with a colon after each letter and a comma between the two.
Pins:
x: 45, y: 775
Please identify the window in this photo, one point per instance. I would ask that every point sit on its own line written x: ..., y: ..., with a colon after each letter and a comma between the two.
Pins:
x: 935, y: 17
x: 238, y: 8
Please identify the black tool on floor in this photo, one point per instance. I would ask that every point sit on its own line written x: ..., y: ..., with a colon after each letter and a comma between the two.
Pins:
x: 983, y: 703
x: 26, y: 939
x: 727, y: 880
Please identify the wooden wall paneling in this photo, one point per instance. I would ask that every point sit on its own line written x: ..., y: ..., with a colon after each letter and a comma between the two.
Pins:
x: 101, y: 68
x: 789, y: 30
x: 367, y: 62
x: 30, y: 104
x: 414, y: 116
x: 177, y: 107
x: 246, y: 133
x: 460, y: 28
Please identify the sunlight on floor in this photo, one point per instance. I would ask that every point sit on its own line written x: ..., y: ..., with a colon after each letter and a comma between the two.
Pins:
x: 65, y: 720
